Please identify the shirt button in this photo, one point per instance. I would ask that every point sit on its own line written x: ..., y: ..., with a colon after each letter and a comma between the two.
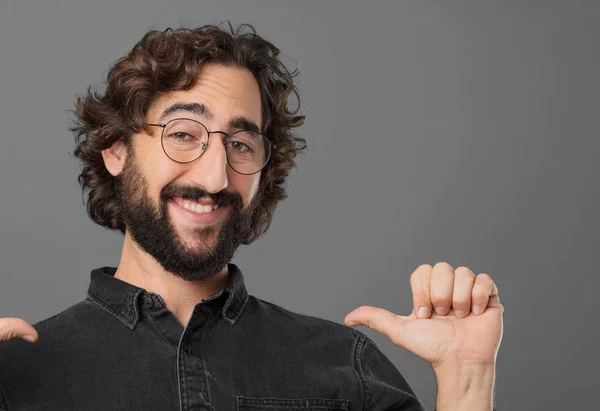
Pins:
x: 147, y: 302
x: 229, y: 313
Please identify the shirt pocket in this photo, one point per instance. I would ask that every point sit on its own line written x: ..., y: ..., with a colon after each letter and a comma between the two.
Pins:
x: 289, y: 404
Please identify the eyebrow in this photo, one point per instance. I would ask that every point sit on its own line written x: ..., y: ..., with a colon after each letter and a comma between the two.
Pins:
x: 242, y: 123
x: 192, y: 108
x: 199, y: 109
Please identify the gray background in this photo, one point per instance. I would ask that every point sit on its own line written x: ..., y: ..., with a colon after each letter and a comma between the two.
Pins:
x: 464, y: 132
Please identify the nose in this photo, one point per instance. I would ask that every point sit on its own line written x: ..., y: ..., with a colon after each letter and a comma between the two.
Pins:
x: 210, y: 170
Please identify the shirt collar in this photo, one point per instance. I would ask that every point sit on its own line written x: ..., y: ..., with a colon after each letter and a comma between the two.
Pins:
x: 124, y: 300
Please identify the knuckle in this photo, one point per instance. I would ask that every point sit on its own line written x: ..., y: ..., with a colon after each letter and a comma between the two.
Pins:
x: 464, y: 277
x: 444, y: 264
x: 422, y: 271
x: 419, y: 277
x: 484, y: 277
x: 466, y: 271
x: 6, y: 335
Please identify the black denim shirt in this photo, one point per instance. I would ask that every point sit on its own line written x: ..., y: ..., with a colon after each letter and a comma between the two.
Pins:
x: 122, y: 349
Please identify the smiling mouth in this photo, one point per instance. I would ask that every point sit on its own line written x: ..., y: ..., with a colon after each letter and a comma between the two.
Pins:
x: 195, y: 206
x: 203, y: 212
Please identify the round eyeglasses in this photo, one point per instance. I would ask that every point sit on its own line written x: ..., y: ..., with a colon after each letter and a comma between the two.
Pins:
x: 184, y: 140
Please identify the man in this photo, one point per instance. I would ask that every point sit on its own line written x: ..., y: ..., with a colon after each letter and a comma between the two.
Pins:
x: 186, y: 153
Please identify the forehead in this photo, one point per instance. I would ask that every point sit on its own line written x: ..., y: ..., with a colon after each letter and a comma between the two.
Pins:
x: 226, y: 91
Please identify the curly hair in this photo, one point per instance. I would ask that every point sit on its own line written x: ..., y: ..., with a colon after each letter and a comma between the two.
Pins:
x: 169, y: 60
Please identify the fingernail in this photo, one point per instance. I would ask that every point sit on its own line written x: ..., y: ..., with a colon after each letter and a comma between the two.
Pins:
x: 351, y: 323
x: 440, y: 310
x: 28, y: 338
x: 423, y: 312
x: 459, y: 313
x: 476, y: 309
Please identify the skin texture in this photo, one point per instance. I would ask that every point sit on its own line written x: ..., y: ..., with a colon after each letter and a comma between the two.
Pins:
x: 456, y: 323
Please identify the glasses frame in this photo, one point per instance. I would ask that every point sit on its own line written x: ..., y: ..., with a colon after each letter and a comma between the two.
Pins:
x: 204, y: 146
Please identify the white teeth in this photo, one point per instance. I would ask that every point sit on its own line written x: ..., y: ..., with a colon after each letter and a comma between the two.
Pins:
x: 198, y: 208
x: 202, y: 208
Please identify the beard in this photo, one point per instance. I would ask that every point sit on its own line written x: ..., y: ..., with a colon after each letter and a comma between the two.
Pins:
x: 152, y: 229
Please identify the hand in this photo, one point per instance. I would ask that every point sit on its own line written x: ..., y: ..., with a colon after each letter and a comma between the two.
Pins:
x: 15, y: 327
x: 456, y: 333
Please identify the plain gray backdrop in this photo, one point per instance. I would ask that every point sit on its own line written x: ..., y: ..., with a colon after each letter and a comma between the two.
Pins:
x: 462, y: 131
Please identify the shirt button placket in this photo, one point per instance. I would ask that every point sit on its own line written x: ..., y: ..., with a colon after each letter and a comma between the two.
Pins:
x: 191, y: 371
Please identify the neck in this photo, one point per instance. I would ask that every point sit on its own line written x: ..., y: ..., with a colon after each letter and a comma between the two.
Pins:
x: 138, y: 268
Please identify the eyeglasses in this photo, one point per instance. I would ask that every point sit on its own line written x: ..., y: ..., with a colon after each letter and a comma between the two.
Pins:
x: 184, y: 140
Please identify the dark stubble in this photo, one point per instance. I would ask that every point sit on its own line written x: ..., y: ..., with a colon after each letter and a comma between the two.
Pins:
x: 151, y: 228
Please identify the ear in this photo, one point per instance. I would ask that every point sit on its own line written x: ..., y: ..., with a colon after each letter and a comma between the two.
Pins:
x: 114, y: 157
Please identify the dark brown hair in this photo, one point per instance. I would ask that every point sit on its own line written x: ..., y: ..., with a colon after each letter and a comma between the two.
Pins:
x: 171, y: 60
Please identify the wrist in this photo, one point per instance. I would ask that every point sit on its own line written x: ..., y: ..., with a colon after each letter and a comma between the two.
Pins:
x: 465, y: 387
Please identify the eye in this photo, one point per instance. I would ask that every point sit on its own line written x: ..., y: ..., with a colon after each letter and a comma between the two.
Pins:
x: 181, y: 136
x: 240, y: 147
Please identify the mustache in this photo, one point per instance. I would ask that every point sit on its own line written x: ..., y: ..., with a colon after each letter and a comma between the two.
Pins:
x: 222, y: 198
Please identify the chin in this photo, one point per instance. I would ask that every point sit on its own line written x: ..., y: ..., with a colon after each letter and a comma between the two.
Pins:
x: 200, y: 240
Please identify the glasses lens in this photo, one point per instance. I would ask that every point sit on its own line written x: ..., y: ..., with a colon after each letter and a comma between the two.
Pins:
x: 248, y: 152
x: 184, y: 140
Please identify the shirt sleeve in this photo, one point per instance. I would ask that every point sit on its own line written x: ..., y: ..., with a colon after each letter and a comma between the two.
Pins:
x: 384, y: 388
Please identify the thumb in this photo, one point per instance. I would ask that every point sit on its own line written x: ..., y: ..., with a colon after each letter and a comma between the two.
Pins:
x: 16, y: 328
x: 378, y: 319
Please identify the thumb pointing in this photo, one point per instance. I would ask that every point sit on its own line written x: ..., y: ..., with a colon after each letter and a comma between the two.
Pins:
x: 16, y: 328
x: 378, y: 319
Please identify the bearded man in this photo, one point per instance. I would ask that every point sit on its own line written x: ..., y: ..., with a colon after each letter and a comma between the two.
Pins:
x: 186, y: 153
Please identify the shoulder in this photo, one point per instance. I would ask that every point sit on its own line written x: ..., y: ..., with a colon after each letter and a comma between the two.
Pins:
x: 66, y: 317
x: 60, y: 330
x: 270, y: 316
x: 19, y: 358
x: 76, y: 321
x: 278, y: 313
x: 67, y: 342
x: 67, y: 337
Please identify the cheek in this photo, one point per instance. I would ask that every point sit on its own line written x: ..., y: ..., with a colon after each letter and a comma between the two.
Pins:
x: 157, y: 173
x: 246, y: 186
